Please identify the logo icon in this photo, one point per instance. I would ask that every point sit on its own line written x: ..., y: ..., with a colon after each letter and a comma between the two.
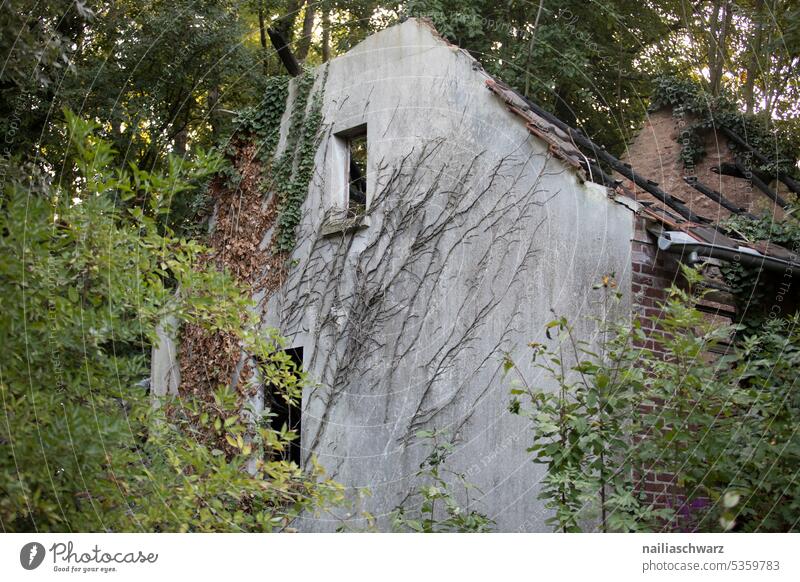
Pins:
x: 31, y: 555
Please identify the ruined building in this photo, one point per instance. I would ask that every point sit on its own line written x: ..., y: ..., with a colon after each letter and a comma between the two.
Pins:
x: 445, y: 220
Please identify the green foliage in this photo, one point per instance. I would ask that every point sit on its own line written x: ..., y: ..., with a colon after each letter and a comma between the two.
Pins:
x: 726, y: 429
x: 83, y: 284
x: 288, y: 174
x: 209, y: 489
x: 763, y: 453
x: 264, y: 121
x: 583, y: 429
x: 729, y: 427
x: 156, y: 75
x: 752, y: 288
x: 782, y: 232
x: 36, y: 48
x: 160, y: 79
x: 688, y: 97
x: 295, y: 167
x: 440, y: 510
x: 582, y: 61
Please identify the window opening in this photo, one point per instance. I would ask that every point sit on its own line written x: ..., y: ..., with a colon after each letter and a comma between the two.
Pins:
x: 357, y: 173
x: 284, y: 413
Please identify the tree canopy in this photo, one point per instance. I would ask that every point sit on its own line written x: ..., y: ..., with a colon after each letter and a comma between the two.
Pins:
x: 166, y: 76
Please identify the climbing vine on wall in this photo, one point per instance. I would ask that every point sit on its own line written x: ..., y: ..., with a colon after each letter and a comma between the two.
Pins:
x: 264, y: 121
x: 289, y: 174
x: 294, y: 169
x: 245, y: 212
x: 687, y: 97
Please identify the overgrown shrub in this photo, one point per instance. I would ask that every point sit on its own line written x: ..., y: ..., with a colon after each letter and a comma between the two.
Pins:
x: 726, y: 428
x: 83, y: 284
x: 442, y: 507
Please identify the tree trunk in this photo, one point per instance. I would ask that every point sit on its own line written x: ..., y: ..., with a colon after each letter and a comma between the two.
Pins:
x: 326, y: 32
x: 180, y: 140
x: 723, y: 46
x: 213, y: 113
x: 285, y: 24
x: 530, y: 48
x: 304, y: 43
x: 284, y: 53
x: 713, y: 26
x: 262, y: 30
x: 752, y: 62
x: 713, y: 44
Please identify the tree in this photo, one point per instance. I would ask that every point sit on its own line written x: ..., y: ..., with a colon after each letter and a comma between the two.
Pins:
x: 578, y: 60
x: 38, y: 41
x: 83, y: 285
x: 748, y: 48
x: 158, y: 77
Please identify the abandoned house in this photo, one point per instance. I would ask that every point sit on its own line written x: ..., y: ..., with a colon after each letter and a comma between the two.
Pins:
x: 445, y: 219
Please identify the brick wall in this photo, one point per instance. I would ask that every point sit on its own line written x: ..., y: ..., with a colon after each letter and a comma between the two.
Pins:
x: 653, y: 272
x: 654, y: 152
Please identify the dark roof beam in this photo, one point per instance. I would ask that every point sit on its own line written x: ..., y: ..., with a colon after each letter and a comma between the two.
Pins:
x: 716, y: 196
x: 790, y: 182
x: 761, y: 185
x: 729, y: 169
x: 624, y: 169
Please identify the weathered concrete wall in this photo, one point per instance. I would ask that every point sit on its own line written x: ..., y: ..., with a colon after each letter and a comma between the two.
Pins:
x: 475, y: 236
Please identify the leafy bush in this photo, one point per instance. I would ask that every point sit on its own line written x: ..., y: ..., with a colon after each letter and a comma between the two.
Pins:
x: 439, y: 509
x: 83, y: 284
x: 583, y: 429
x: 726, y: 429
x: 758, y: 294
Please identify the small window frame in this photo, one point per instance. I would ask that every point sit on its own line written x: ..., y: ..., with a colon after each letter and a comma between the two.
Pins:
x: 343, y: 198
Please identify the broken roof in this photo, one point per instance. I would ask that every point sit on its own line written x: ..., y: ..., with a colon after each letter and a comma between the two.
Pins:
x: 671, y: 214
x: 679, y: 228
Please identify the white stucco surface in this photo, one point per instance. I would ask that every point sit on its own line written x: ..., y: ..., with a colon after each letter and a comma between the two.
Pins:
x: 475, y: 238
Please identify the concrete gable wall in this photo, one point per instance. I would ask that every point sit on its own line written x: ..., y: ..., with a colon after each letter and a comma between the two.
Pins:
x: 475, y: 235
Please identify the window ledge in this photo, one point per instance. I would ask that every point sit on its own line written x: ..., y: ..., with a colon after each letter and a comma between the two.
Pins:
x: 334, y: 226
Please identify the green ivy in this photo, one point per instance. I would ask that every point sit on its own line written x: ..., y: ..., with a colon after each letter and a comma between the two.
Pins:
x: 687, y: 97
x: 294, y: 169
x: 291, y: 172
x: 264, y: 121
